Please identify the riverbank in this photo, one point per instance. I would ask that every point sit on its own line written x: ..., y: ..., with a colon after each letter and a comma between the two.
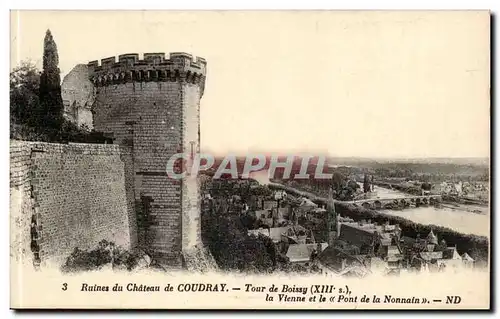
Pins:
x: 449, y: 199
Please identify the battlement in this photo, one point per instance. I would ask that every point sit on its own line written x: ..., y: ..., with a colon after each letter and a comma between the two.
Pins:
x: 179, y: 66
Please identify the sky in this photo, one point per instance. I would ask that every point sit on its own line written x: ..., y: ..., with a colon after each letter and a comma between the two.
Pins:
x: 360, y: 84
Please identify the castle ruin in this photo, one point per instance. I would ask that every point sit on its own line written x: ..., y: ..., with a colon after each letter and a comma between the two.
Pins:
x: 151, y: 108
x: 67, y: 196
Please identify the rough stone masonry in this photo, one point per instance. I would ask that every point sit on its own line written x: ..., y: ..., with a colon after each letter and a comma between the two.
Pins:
x: 151, y: 108
x: 64, y: 197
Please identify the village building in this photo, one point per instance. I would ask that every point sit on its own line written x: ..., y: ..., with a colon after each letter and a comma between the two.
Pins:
x: 273, y: 217
x: 334, y: 261
x: 304, y: 253
x: 298, y: 235
x: 451, y: 258
x: 370, y: 238
x: 427, y: 254
x: 265, y: 216
x: 316, y: 215
x: 259, y: 231
x: 306, y: 205
x: 288, y: 234
x: 468, y: 261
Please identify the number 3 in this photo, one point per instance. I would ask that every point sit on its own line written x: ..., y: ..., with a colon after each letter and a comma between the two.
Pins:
x: 65, y: 287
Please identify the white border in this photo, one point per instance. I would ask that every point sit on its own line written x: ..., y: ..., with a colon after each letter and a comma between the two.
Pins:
x: 492, y: 5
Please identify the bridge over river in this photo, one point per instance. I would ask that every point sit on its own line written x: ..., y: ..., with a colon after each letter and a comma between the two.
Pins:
x: 400, y: 202
x: 457, y: 218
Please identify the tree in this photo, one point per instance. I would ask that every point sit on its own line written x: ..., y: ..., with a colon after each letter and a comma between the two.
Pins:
x: 51, y: 108
x: 426, y: 186
x: 366, y: 184
x: 337, y: 180
x: 36, y: 106
x: 24, y: 89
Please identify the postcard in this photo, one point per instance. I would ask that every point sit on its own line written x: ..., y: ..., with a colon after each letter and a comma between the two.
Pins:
x: 250, y: 160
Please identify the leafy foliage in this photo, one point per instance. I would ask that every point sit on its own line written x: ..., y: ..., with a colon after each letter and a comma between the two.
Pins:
x: 36, y: 106
x: 51, y: 110
x: 232, y: 247
x: 24, y: 89
x: 366, y: 184
x: 104, y: 254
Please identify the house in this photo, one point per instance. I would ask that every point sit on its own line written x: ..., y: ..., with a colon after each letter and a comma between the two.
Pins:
x: 378, y: 265
x: 261, y: 214
x: 468, y: 261
x: 283, y: 213
x: 369, y: 237
x: 256, y: 232
x: 265, y: 217
x: 427, y: 244
x: 346, y: 247
x: 458, y: 188
x: 434, y: 256
x: 306, y: 205
x: 394, y: 262
x: 317, y: 215
x: 357, y: 234
x: 430, y: 256
x: 451, y: 253
x: 393, y: 256
x: 269, y: 204
x: 298, y: 235
x: 385, y: 239
x: 288, y: 234
x: 280, y: 195
x: 277, y: 233
x: 302, y: 253
x: 444, y: 188
x: 335, y: 262
x: 432, y: 238
x: 451, y: 258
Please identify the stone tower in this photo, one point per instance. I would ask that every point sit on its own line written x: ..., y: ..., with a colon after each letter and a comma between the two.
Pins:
x: 151, y: 107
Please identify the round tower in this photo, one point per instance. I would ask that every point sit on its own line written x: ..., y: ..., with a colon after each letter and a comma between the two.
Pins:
x: 151, y: 107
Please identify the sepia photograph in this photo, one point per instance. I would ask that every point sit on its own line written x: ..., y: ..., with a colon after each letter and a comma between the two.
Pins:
x: 250, y: 159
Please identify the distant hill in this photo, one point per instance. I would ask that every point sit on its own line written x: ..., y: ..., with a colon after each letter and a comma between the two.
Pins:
x: 460, y: 167
x: 476, y: 161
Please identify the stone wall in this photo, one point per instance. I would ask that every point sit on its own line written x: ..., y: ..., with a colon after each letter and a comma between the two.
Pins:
x: 66, y: 196
x: 21, y: 206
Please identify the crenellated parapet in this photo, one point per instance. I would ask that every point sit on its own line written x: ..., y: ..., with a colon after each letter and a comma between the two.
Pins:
x: 178, y: 66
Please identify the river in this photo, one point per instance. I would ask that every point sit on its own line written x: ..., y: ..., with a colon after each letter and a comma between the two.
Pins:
x: 459, y: 218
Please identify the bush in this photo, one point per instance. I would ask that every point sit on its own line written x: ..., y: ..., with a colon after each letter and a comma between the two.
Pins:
x: 104, y: 254
x: 232, y: 248
x: 69, y: 132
